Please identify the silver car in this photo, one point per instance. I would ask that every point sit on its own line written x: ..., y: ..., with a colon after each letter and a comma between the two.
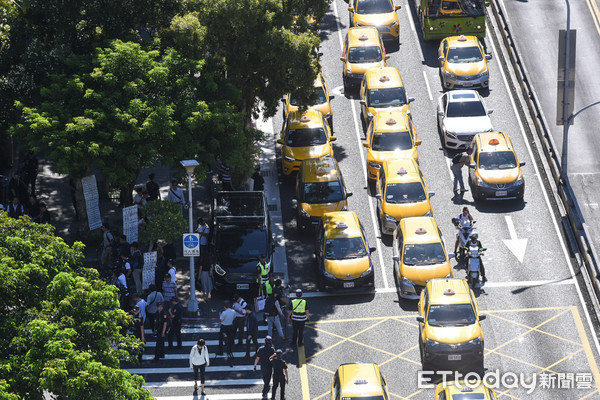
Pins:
x: 461, y: 115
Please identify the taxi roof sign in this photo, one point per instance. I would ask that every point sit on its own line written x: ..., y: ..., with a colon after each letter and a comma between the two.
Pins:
x: 360, y: 382
x: 449, y: 292
x: 462, y: 38
x: 421, y: 231
x: 494, y: 142
x: 341, y: 225
x: 305, y: 118
x: 391, y: 121
x: 384, y: 78
x: 402, y: 171
x: 466, y: 389
x: 363, y: 37
x: 321, y: 171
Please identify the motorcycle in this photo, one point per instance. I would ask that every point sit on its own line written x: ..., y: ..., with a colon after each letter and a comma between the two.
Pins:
x: 464, y: 233
x: 474, y: 255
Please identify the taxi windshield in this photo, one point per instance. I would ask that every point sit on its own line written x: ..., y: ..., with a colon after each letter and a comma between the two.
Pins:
x: 424, y: 254
x: 451, y: 315
x: 497, y: 160
x: 374, y: 7
x: 465, y: 109
x: 322, y: 192
x: 464, y: 55
x: 342, y: 248
x: 321, y: 98
x: 366, y: 54
x: 390, y: 141
x: 391, y: 97
x: 409, y: 192
x: 306, y: 137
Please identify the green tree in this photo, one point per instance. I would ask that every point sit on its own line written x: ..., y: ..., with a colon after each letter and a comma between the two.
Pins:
x: 165, y: 221
x: 61, y: 328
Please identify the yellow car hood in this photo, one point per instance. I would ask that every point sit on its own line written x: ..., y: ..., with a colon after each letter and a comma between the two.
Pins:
x: 405, y: 210
x: 499, y: 175
x: 323, y: 108
x: 363, y: 67
x: 375, y: 19
x: 317, y: 210
x: 374, y: 110
x: 381, y: 156
x: 466, y: 69
x: 452, y: 334
x: 420, y: 274
x: 347, y: 269
x: 303, y: 153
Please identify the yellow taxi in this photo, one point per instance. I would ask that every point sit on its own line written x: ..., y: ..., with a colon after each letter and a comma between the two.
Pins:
x: 495, y: 171
x: 304, y: 135
x: 343, y: 253
x: 359, y: 381
x: 401, y: 192
x: 378, y: 13
x: 382, y: 89
x: 463, y: 63
x: 391, y: 135
x: 464, y: 391
x: 363, y: 49
x: 322, y: 102
x: 320, y: 188
x: 419, y: 255
x: 450, y: 334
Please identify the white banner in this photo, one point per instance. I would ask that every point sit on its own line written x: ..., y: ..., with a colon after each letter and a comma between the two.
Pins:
x: 130, y: 223
x: 90, y: 194
x: 148, y: 272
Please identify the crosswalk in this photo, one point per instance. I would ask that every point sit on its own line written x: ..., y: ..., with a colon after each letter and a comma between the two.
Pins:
x: 172, y: 379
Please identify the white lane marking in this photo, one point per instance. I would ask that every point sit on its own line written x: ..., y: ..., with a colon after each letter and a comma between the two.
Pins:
x: 186, y: 343
x: 190, y: 383
x: 552, y: 216
x: 186, y: 356
x: 338, y: 91
x: 364, y: 169
x: 412, y: 22
x: 339, y: 27
x: 241, y: 396
x: 427, y: 85
x: 515, y: 245
x: 584, y: 173
x: 187, y: 370
x: 449, y: 165
x: 215, y: 329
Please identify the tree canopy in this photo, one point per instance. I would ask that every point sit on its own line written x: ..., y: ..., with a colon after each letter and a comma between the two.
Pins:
x: 61, y: 328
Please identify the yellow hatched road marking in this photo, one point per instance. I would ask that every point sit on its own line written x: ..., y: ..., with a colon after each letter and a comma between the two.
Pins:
x: 523, y: 309
x: 586, y: 344
x: 321, y: 396
x: 588, y: 395
x: 303, y: 373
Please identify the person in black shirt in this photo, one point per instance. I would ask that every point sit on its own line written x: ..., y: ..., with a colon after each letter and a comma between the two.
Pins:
x: 152, y: 188
x: 280, y: 373
x: 263, y: 356
x: 44, y: 215
x: 176, y: 319
x: 259, y: 181
x: 162, y: 322
x: 31, y: 170
x: 251, y: 330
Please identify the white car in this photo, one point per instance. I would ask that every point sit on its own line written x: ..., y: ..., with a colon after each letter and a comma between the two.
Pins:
x: 461, y: 115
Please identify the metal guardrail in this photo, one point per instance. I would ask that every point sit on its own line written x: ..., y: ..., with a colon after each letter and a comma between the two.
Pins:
x: 578, y: 228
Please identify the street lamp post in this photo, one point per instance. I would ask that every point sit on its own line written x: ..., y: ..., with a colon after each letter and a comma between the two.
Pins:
x: 189, y: 166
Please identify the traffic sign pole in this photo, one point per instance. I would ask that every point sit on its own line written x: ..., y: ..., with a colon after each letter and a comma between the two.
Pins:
x: 193, y: 302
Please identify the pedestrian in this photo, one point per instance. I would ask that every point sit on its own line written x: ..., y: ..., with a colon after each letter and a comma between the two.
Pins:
x: 152, y: 188
x: 107, y: 240
x: 176, y: 194
x: 73, y: 190
x: 206, y: 276
x: 152, y: 301
x: 171, y: 269
x: 44, y: 215
x: 169, y: 288
x: 141, y: 304
x: 204, y: 231
x: 126, y: 269
x: 459, y: 161
x: 14, y: 185
x: 160, y: 268
x: 199, y: 360
x: 138, y: 328
x: 141, y: 197
x: 278, y: 291
x: 34, y: 208
x: 298, y: 315
x: 269, y: 285
x: 251, y: 330
x: 259, y: 181
x: 30, y: 168
x: 280, y: 373
x: 226, y: 331
x: 176, y: 312
x: 273, y: 313
x: 137, y: 266
x: 262, y: 272
x: 162, y: 323
x: 124, y: 246
x: 239, y: 306
x: 15, y: 209
x: 263, y: 356
x: 224, y: 175
x: 120, y: 281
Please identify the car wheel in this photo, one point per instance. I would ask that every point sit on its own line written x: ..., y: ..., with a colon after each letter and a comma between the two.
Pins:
x: 346, y: 88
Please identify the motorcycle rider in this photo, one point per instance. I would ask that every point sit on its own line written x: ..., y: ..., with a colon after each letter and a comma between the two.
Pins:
x: 475, y: 243
x: 465, y: 220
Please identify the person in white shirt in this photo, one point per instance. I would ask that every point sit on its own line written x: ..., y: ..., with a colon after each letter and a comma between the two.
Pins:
x: 203, y: 230
x: 176, y: 194
x: 199, y: 360
x: 141, y: 304
x: 171, y: 266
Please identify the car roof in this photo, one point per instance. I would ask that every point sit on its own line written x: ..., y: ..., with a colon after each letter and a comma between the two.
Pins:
x: 425, y: 226
x: 463, y: 96
x: 391, y: 121
x: 401, y: 170
x: 462, y: 41
x: 314, y: 119
x: 341, y: 224
x: 322, y: 169
x: 360, y: 379
x: 493, y: 141
x: 363, y: 36
x: 449, y: 291
x: 386, y: 77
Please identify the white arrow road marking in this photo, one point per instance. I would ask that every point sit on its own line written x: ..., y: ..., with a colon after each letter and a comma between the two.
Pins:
x: 338, y: 91
x: 515, y: 245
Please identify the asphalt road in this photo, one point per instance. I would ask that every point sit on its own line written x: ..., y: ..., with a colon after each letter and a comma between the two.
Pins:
x: 535, y: 27
x: 536, y: 324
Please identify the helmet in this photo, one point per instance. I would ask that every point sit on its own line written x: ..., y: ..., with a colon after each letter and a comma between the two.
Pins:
x: 474, y: 236
x: 268, y: 340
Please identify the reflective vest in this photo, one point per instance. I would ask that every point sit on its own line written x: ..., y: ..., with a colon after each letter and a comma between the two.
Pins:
x: 263, y: 273
x: 269, y: 287
x: 299, y: 310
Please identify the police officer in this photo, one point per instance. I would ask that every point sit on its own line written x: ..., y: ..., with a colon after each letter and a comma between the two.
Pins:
x: 263, y: 356
x: 262, y: 270
x: 138, y: 328
x: 176, y: 312
x: 162, y: 322
x: 298, y: 315
x: 280, y: 373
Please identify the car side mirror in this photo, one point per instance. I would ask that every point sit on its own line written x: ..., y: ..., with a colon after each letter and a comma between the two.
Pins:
x: 441, y: 113
x: 451, y: 255
x: 472, y: 166
x: 366, y: 144
x: 482, y: 317
x: 441, y: 58
x: 488, y: 56
x: 421, y: 320
x: 331, y: 97
x: 490, y: 111
x: 349, y: 194
x: 397, y: 7
x: 320, y: 54
x: 351, y: 9
x: 283, y: 100
x: 343, y: 59
x: 378, y: 196
x: 372, y: 249
x: 280, y: 141
x: 431, y: 194
x: 522, y: 164
x: 387, y: 56
x: 363, y: 103
x: 418, y: 142
x: 411, y: 99
x: 396, y: 258
x: 332, y: 139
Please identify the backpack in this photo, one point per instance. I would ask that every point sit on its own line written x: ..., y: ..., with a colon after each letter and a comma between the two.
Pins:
x: 456, y: 158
